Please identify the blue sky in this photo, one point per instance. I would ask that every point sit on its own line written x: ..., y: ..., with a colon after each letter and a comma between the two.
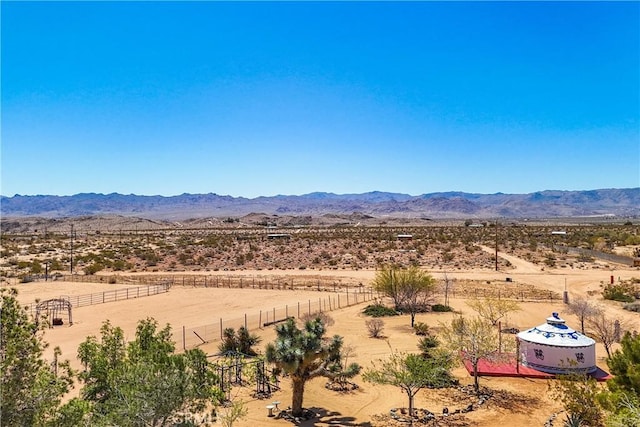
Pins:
x: 251, y: 99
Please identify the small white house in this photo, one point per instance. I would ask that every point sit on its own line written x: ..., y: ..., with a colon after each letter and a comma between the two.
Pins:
x: 555, y: 348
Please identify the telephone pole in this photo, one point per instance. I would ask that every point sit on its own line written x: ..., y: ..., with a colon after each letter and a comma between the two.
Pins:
x: 496, y: 245
x: 71, y: 257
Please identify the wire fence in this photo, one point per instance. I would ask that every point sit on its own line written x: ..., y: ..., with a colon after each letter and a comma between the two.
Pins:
x: 190, y: 337
x: 298, y: 282
x: 344, y: 293
x: 109, y: 296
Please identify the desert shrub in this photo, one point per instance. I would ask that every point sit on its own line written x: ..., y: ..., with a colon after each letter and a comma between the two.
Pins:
x: 93, y: 269
x: 374, y: 327
x: 421, y: 328
x: 585, y: 258
x: 623, y: 292
x: 441, y: 308
x: 324, y: 318
x: 379, y: 310
x: 120, y: 265
x: 632, y: 306
x: 426, y: 345
x: 238, y: 342
x: 550, y: 260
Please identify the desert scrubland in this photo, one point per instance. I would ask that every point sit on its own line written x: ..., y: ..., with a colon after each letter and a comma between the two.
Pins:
x: 286, y: 267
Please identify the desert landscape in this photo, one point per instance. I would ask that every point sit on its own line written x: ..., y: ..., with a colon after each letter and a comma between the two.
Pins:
x: 249, y: 275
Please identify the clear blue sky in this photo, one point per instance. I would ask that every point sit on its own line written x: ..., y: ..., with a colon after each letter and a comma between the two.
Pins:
x: 250, y: 99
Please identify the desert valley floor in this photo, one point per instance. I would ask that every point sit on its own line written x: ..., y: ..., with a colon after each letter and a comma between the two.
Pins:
x: 517, y: 401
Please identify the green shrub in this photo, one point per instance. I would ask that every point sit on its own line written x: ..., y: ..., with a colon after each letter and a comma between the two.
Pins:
x: 427, y: 344
x: 623, y: 292
x: 379, y: 310
x: 421, y: 328
x: 441, y: 308
x: 93, y: 269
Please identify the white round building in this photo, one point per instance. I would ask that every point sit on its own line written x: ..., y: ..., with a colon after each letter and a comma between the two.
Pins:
x: 555, y: 348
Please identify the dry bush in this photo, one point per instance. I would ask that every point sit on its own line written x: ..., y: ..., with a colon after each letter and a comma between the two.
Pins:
x: 326, y: 319
x: 375, y: 327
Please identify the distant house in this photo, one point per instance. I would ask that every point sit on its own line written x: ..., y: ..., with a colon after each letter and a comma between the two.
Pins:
x: 405, y: 236
x: 558, y: 233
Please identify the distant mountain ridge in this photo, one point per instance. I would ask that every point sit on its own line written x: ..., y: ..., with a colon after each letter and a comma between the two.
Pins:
x: 454, y: 205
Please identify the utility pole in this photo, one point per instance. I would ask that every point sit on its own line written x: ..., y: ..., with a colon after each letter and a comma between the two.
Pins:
x: 496, y: 245
x: 71, y: 263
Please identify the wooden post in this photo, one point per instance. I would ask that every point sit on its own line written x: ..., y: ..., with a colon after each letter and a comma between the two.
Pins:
x: 517, y: 355
x: 221, y: 328
x: 245, y: 322
x: 184, y: 340
x: 260, y: 321
x: 298, y: 309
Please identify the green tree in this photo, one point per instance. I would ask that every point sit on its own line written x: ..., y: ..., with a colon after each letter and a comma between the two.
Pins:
x: 411, y: 289
x: 578, y: 393
x: 473, y: 340
x: 30, y: 388
x: 623, y: 395
x: 304, y: 354
x: 411, y: 373
x: 144, y: 383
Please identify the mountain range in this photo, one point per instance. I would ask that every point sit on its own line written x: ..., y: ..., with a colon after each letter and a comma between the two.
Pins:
x: 453, y: 205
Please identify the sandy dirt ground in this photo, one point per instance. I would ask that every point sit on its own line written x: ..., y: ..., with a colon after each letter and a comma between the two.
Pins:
x: 525, y: 402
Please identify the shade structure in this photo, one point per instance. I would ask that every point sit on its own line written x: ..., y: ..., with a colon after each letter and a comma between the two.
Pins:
x: 555, y: 348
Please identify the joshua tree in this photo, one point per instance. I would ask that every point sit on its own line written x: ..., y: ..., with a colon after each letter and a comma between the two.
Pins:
x: 305, y: 354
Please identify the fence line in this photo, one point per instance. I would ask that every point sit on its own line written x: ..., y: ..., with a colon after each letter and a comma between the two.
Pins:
x: 189, y: 337
x: 224, y: 281
x: 520, y: 295
x: 620, y: 259
x: 109, y: 296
